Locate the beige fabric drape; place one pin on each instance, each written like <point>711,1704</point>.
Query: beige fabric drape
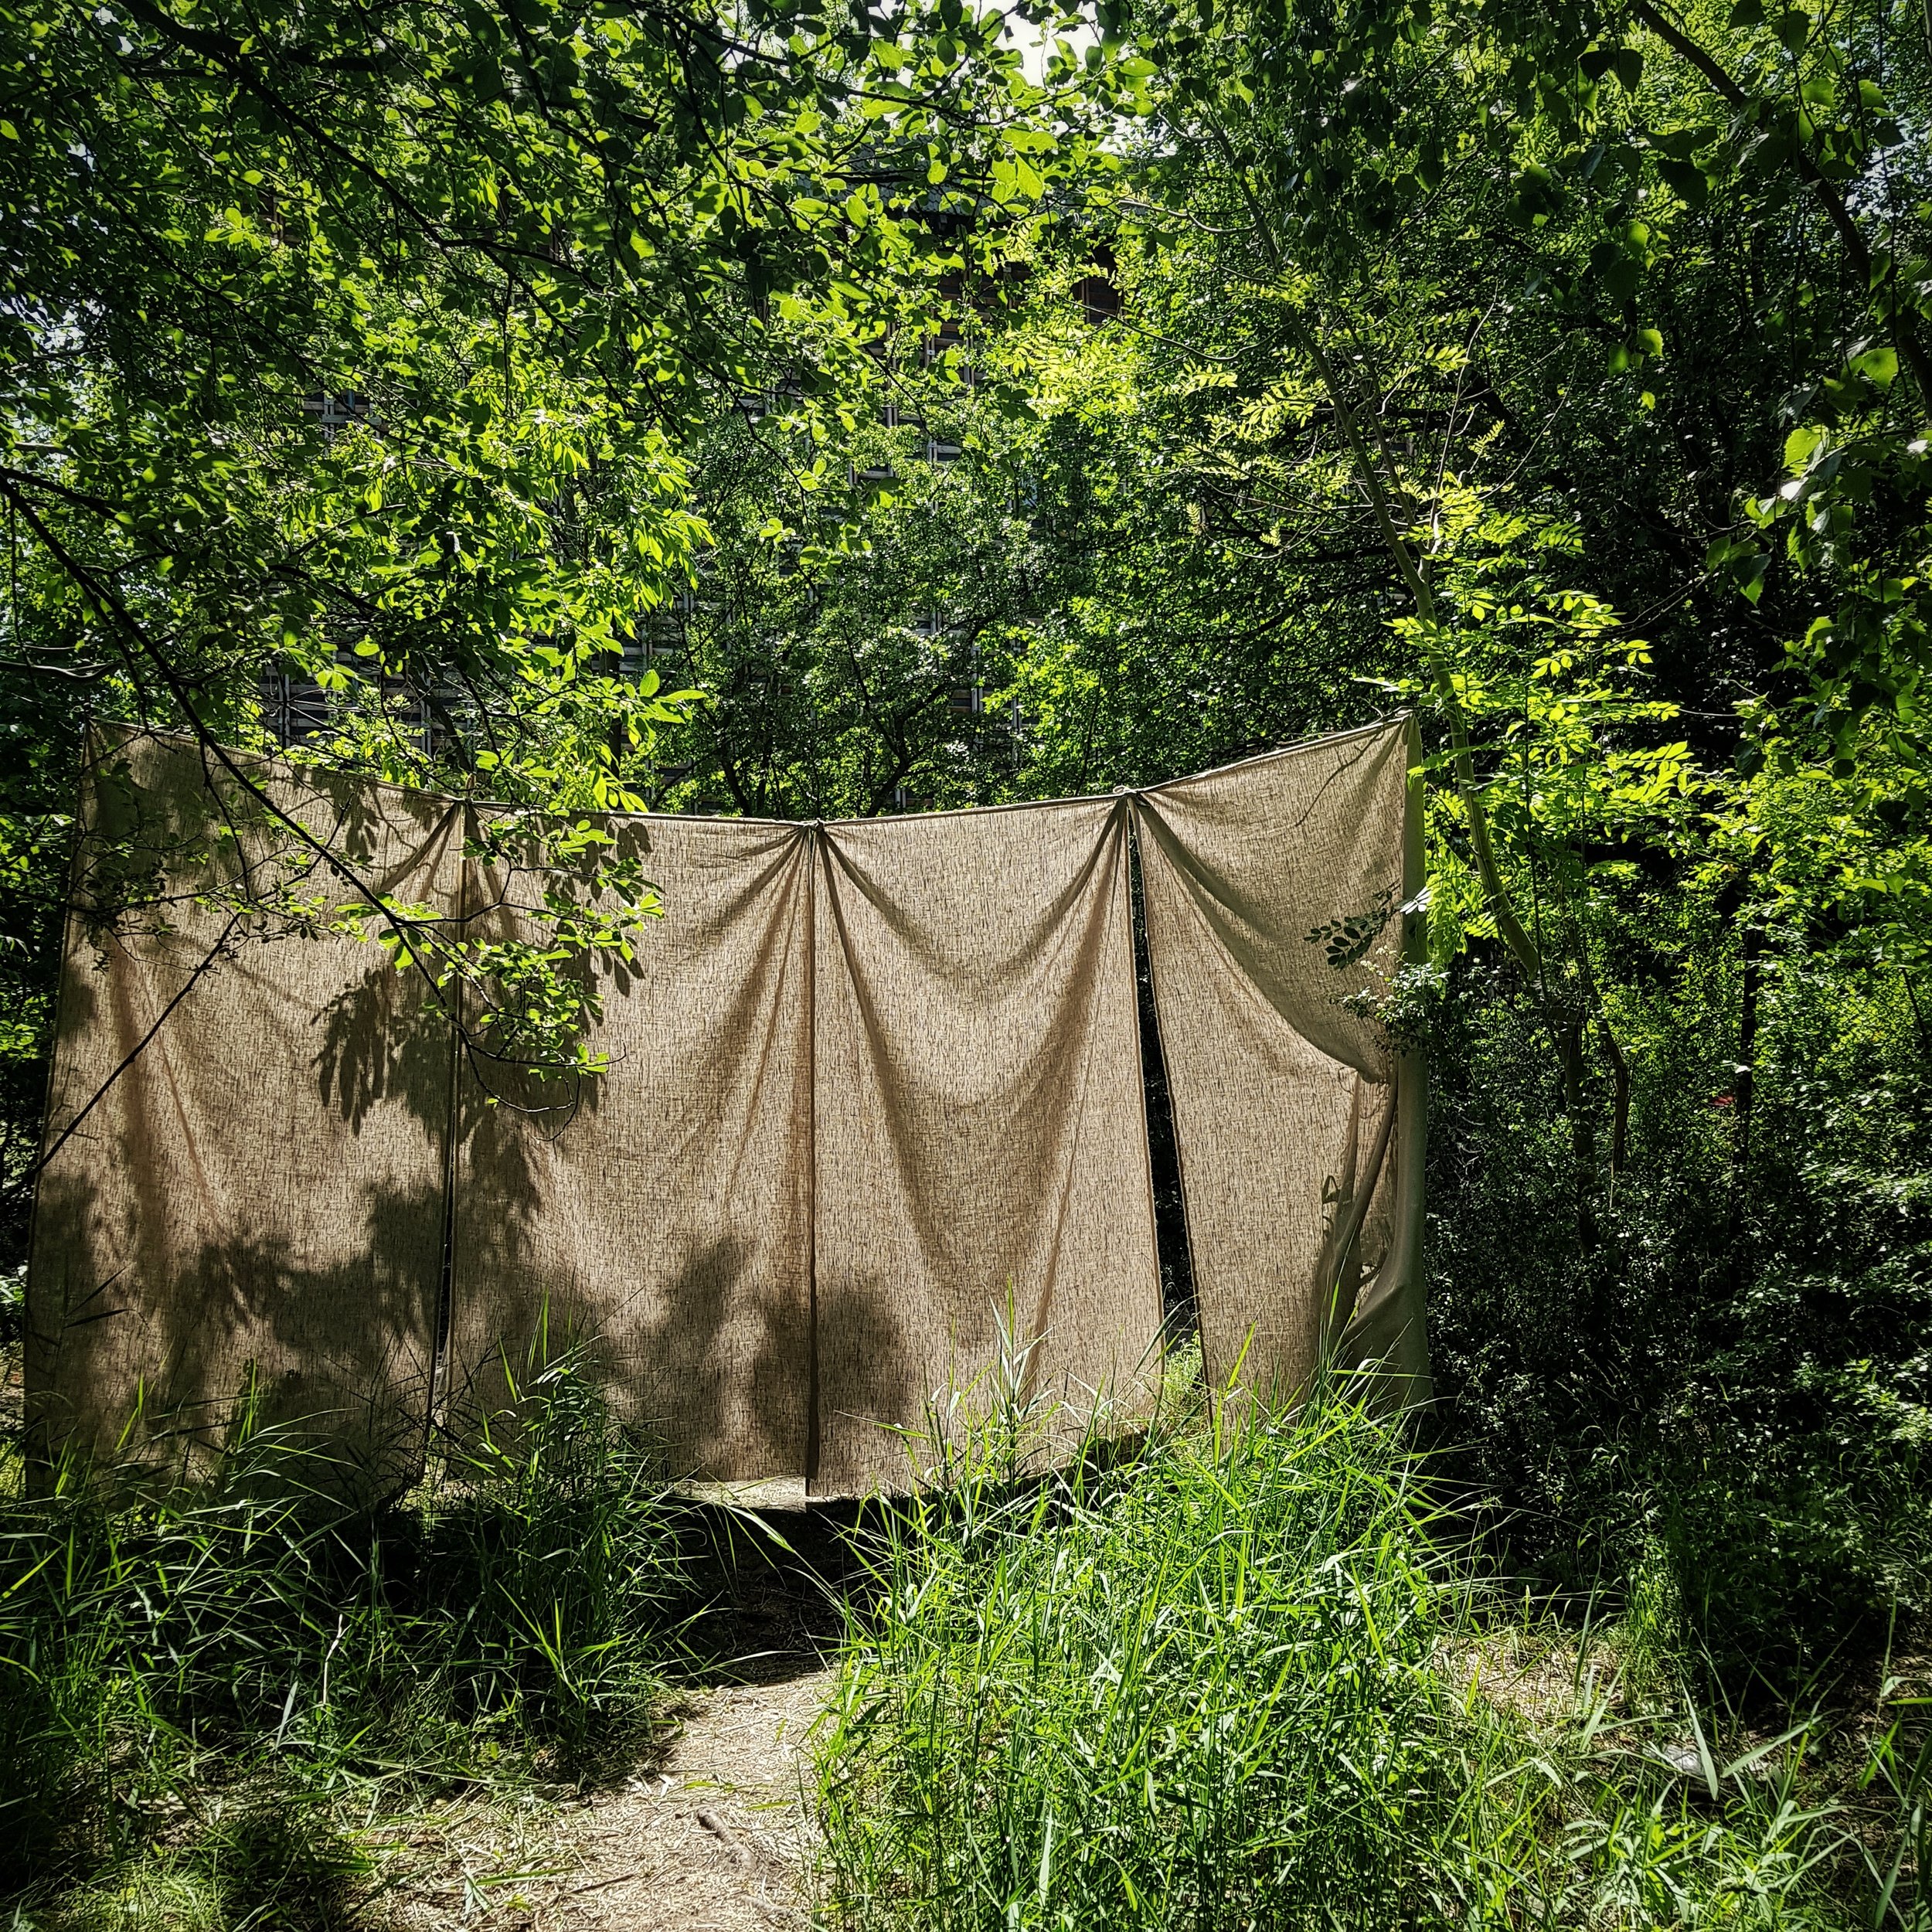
<point>981,1154</point>
<point>1274,892</point>
<point>663,1216</point>
<point>260,1193</point>
<point>870,1156</point>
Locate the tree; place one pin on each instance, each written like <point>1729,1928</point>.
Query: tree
<point>364,346</point>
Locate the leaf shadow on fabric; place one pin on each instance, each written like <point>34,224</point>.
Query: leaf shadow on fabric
<point>706,1362</point>
<point>151,1367</point>
<point>376,1047</point>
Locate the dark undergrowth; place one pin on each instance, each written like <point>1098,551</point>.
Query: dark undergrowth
<point>209,1692</point>
<point>1700,1388</point>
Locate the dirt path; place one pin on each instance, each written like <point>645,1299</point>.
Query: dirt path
<point>716,1842</point>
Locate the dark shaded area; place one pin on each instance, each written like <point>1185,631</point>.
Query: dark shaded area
<point>38,761</point>
<point>1702,1394</point>
<point>241,1336</point>
<point>1177,1300</point>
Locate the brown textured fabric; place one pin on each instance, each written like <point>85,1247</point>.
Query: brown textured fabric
<point>981,1152</point>
<point>874,1100</point>
<point>259,1193</point>
<point>664,1218</point>
<point>1274,892</point>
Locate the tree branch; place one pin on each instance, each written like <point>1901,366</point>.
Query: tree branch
<point>1905,338</point>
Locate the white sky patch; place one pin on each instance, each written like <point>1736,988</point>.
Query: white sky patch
<point>1036,44</point>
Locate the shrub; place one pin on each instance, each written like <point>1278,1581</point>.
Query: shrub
<point>183,1666</point>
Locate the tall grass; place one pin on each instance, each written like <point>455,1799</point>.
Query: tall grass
<point>1230,1672</point>
<point>1234,1678</point>
<point>195,1681</point>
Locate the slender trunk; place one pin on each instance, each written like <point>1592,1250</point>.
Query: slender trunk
<point>1742,1094</point>
<point>1583,1127</point>
<point>1743,1077</point>
<point>1743,1086</point>
<point>1620,1084</point>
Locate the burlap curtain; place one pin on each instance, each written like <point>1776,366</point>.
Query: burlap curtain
<point>1275,891</point>
<point>983,1187</point>
<point>663,1215</point>
<point>870,1157</point>
<point>258,1196</point>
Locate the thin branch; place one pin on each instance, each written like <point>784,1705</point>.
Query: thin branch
<point>1912,352</point>
<point>22,1181</point>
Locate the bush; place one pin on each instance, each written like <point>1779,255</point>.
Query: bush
<point>1237,1680</point>
<point>188,1667</point>
<point>1720,1360</point>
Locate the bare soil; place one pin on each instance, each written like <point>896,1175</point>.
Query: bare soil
<point>710,1831</point>
<point>715,1840</point>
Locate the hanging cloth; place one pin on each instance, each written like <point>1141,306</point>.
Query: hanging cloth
<point>1278,892</point>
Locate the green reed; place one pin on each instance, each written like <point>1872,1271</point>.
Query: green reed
<point>1231,1675</point>
<point>203,1679</point>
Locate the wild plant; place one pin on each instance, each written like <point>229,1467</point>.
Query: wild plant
<point>182,1662</point>
<point>1230,1676</point>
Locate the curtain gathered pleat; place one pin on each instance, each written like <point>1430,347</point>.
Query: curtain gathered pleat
<point>1277,895</point>
<point>985,1217</point>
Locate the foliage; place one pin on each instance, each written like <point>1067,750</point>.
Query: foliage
<point>1236,1678</point>
<point>360,350</point>
<point>1744,1420</point>
<point>1559,371</point>
<point>203,1682</point>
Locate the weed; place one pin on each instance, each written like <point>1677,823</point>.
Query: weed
<point>200,1685</point>
<point>1213,1685</point>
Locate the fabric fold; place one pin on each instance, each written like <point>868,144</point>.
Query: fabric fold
<point>984,1219</point>
<point>1277,892</point>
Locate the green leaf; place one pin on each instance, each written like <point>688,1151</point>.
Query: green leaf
<point>1686,180</point>
<point>1800,445</point>
<point>1629,68</point>
<point>1747,13</point>
<point>1878,365</point>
